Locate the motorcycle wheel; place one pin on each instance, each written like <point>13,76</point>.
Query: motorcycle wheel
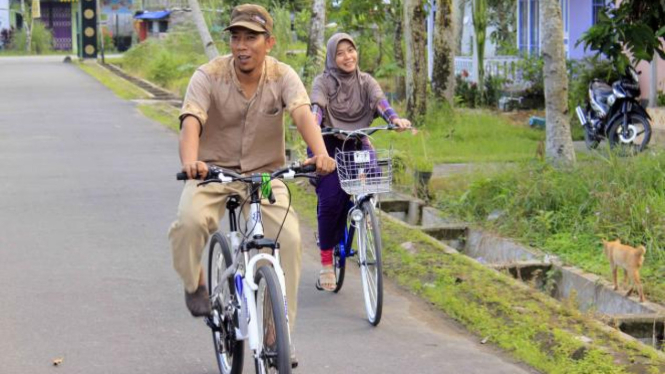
<point>590,139</point>
<point>639,135</point>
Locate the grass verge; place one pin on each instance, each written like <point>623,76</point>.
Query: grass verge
<point>165,114</point>
<point>524,322</point>
<point>567,212</point>
<point>120,87</point>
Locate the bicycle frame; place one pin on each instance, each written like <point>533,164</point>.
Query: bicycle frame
<point>245,285</point>
<point>346,243</point>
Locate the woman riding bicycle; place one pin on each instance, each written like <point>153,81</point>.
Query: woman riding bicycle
<point>342,97</point>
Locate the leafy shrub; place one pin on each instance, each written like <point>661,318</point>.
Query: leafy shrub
<point>493,89</point>
<point>6,36</point>
<point>169,62</point>
<point>41,40</point>
<point>466,92</point>
<point>531,68</point>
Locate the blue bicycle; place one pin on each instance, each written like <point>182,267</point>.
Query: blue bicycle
<point>362,174</point>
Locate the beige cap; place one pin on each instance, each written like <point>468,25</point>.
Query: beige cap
<point>251,16</point>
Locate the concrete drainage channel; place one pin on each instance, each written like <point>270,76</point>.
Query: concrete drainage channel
<point>156,93</point>
<point>644,322</point>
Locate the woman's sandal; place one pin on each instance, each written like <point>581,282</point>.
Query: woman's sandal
<point>327,280</point>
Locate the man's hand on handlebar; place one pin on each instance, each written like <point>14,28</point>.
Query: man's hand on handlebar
<point>324,164</point>
<point>195,170</point>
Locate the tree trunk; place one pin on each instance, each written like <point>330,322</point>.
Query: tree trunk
<point>315,46</point>
<point>379,41</point>
<point>27,27</point>
<point>559,144</point>
<point>459,8</point>
<point>208,45</point>
<point>479,28</point>
<point>416,63</point>
<point>398,51</point>
<point>443,74</point>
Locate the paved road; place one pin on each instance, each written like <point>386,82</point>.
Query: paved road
<point>86,196</point>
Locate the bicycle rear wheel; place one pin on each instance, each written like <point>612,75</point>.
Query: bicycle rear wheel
<point>369,259</point>
<point>229,351</point>
<point>271,319</point>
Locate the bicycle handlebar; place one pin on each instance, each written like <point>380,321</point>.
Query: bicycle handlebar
<point>219,174</point>
<point>367,131</point>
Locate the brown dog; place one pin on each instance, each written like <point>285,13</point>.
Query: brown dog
<point>629,259</point>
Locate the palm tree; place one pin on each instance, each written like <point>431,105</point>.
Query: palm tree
<point>415,37</point>
<point>443,73</point>
<point>479,28</point>
<point>315,44</point>
<point>559,145</point>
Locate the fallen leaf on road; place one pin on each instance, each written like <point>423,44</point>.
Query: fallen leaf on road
<point>57,361</point>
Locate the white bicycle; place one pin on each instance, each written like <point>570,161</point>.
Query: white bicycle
<point>248,303</point>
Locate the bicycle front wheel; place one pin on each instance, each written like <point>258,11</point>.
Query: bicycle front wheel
<point>229,351</point>
<point>369,259</point>
<point>340,267</point>
<point>271,319</point>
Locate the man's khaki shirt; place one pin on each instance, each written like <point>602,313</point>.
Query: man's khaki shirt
<point>246,135</point>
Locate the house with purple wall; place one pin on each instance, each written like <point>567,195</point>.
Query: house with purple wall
<point>578,16</point>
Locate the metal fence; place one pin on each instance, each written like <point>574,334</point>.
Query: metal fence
<point>503,66</point>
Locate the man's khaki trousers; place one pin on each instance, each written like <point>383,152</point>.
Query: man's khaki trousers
<point>199,212</point>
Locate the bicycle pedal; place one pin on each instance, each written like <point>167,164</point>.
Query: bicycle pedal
<point>211,324</point>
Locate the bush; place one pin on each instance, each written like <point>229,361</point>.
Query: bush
<point>493,90</point>
<point>466,92</point>
<point>532,72</point>
<point>41,39</point>
<point>6,37</point>
<point>170,62</point>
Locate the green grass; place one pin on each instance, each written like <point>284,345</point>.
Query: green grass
<point>120,87</point>
<point>567,212</point>
<point>162,113</point>
<point>15,53</point>
<point>454,136</point>
<point>522,321</point>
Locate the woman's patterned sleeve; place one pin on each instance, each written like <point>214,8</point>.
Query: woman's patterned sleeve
<point>386,111</point>
<point>318,114</point>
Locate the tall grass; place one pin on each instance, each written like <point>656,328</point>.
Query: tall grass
<point>450,136</point>
<point>170,62</point>
<point>567,212</point>
<point>41,40</point>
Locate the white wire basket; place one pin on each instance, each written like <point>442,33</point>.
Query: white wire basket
<point>365,171</point>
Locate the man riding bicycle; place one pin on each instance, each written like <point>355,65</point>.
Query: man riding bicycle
<point>232,117</point>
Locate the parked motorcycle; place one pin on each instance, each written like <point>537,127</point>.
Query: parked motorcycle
<point>614,113</point>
